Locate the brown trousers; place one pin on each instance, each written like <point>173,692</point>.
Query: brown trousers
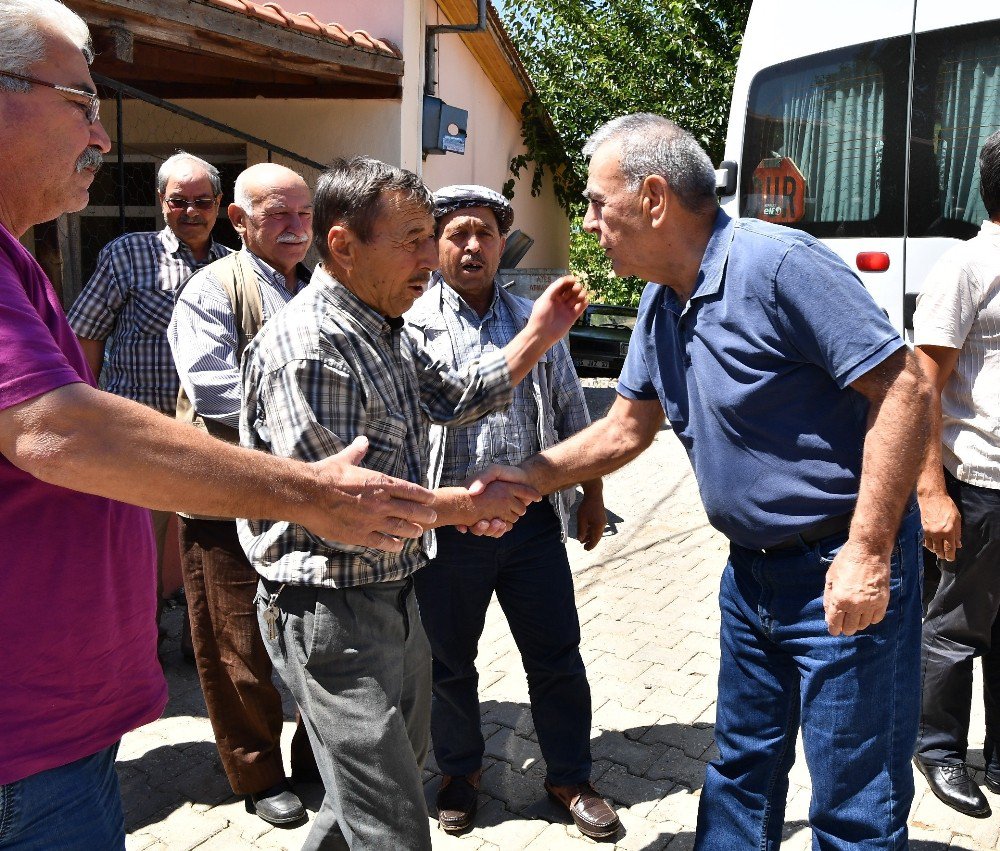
<point>233,666</point>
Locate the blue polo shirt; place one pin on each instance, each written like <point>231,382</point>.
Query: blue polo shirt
<point>753,374</point>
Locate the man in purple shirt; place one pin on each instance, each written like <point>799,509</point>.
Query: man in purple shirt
<point>78,645</point>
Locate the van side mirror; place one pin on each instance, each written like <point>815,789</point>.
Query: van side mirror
<point>725,178</point>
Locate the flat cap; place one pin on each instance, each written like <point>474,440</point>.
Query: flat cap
<point>459,196</point>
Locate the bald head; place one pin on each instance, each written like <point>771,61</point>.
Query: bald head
<point>272,213</point>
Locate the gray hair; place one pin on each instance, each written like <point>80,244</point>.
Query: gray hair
<point>652,144</point>
<point>350,192</point>
<point>24,27</point>
<point>167,169</point>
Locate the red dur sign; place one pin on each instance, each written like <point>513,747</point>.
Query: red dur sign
<point>779,191</point>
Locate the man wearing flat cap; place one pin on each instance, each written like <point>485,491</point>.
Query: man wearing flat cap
<point>464,315</point>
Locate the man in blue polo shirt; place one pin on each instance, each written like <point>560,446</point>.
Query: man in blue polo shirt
<point>805,420</point>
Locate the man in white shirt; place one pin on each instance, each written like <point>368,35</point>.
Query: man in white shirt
<point>957,335</point>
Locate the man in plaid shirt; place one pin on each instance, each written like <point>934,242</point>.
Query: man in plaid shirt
<point>121,315</point>
<point>464,314</point>
<point>340,621</point>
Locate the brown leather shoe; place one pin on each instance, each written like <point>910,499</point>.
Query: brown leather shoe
<point>594,816</point>
<point>457,799</point>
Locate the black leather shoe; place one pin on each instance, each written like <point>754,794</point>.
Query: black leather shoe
<point>954,786</point>
<point>457,800</point>
<point>277,805</point>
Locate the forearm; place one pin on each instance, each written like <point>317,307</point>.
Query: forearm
<point>601,448</point>
<point>930,481</point>
<point>894,449</point>
<point>523,352</point>
<point>454,507</point>
<point>90,441</point>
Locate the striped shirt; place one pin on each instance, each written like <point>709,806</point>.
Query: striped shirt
<point>127,302</point>
<point>329,368</point>
<point>203,337</point>
<point>959,308</point>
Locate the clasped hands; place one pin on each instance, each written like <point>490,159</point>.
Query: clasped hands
<point>501,495</point>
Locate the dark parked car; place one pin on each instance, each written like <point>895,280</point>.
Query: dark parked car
<point>599,339</point>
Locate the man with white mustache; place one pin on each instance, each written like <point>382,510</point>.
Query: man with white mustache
<point>218,312</point>
<point>121,316</point>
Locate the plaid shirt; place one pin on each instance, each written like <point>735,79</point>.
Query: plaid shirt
<point>325,370</point>
<point>548,406</point>
<point>203,337</point>
<point>128,301</point>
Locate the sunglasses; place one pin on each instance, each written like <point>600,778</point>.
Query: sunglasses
<point>197,203</point>
<point>89,102</point>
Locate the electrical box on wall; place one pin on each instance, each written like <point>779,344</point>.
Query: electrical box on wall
<point>444,127</point>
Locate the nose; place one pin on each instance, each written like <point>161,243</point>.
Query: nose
<point>99,138</point>
<point>472,246</point>
<point>590,220</point>
<point>429,254</point>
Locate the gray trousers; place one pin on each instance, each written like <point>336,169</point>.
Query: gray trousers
<point>358,663</point>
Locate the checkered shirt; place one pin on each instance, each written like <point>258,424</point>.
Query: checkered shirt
<point>325,370</point>
<point>127,302</point>
<point>203,337</point>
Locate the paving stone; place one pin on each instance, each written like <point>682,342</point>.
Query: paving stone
<point>647,601</point>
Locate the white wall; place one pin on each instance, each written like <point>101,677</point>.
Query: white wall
<point>494,139</point>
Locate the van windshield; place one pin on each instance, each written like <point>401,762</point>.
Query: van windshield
<point>825,138</point>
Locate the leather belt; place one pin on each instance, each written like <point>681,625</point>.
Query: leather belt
<point>817,532</point>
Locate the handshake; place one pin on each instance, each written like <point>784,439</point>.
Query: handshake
<point>499,495</point>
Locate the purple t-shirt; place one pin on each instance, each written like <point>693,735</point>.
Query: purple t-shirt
<point>78,665</point>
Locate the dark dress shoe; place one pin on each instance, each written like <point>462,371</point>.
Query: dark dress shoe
<point>954,786</point>
<point>594,816</point>
<point>277,805</point>
<point>457,800</point>
<point>992,781</point>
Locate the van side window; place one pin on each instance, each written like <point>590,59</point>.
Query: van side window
<point>824,143</point>
<point>956,105</point>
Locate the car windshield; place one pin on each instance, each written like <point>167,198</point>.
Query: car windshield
<point>603,319</point>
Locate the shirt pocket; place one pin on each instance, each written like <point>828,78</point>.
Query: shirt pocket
<point>386,445</point>
<point>151,311</point>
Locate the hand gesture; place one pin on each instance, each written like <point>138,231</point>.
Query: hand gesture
<point>555,310</point>
<point>942,524</point>
<point>499,505</point>
<point>857,590</point>
<point>366,508</point>
<point>591,518</point>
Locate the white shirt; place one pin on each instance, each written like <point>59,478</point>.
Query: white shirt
<point>960,308</point>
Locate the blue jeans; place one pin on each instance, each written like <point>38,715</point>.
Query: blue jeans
<point>76,807</point>
<point>529,571</point>
<point>856,699</point>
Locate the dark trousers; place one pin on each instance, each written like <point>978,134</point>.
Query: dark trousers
<point>529,571</point>
<point>961,624</point>
<point>233,666</point>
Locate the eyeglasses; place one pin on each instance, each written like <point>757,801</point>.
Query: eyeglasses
<point>89,101</point>
<point>197,203</point>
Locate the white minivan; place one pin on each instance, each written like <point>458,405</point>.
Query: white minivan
<point>860,121</point>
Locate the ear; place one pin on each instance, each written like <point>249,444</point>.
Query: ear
<point>655,197</point>
<point>340,244</point>
<point>237,217</point>
<point>503,243</point>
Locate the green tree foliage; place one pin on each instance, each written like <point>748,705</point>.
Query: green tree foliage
<point>593,60</point>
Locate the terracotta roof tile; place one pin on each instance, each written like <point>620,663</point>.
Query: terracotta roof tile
<point>306,22</point>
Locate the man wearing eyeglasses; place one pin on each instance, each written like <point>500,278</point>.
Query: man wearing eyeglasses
<point>121,316</point>
<point>78,644</point>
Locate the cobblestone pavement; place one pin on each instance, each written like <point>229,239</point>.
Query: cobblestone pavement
<point>646,598</point>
